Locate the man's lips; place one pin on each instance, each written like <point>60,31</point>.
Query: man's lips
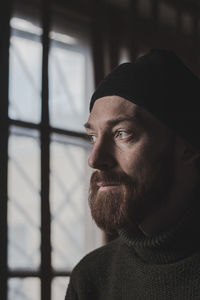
<point>106,186</point>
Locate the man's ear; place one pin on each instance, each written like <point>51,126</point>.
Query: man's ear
<point>186,151</point>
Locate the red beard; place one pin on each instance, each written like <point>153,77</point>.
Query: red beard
<point>110,208</point>
<point>128,203</point>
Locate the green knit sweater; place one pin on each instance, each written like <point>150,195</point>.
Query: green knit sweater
<point>135,267</point>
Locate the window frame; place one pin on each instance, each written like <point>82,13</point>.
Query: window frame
<point>45,273</point>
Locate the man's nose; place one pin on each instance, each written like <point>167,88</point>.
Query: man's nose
<point>102,156</point>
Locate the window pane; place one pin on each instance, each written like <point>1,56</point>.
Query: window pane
<point>24,289</point>
<point>25,71</point>
<point>69,82</point>
<point>24,199</point>
<point>73,233</point>
<point>59,287</point>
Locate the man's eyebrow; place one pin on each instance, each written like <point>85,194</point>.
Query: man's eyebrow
<point>134,119</point>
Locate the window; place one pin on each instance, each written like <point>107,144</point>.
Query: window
<point>71,231</point>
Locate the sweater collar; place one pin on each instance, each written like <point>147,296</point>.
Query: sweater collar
<point>170,246</point>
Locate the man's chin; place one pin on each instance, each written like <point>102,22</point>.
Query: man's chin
<point>110,202</point>
<point>111,227</point>
<point>108,213</point>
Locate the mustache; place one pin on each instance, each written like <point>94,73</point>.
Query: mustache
<point>109,177</point>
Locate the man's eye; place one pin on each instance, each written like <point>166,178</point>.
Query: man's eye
<point>92,138</point>
<point>122,134</point>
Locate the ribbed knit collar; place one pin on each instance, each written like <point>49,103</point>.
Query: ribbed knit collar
<point>170,246</point>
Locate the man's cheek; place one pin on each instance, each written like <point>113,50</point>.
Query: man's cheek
<point>136,170</point>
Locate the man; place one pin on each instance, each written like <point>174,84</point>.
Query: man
<point>143,126</point>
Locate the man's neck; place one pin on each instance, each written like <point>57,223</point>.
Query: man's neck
<point>169,214</point>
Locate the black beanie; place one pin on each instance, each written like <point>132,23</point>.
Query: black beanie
<point>162,84</point>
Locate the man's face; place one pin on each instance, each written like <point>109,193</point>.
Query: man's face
<point>133,159</point>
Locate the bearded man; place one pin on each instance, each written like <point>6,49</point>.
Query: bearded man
<point>143,125</point>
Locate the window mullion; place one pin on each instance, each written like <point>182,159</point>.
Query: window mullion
<point>45,163</point>
<point>4,58</point>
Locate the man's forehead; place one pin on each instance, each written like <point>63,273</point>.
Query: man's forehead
<point>112,103</point>
<point>113,109</point>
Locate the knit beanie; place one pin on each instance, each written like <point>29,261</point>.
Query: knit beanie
<point>161,84</point>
